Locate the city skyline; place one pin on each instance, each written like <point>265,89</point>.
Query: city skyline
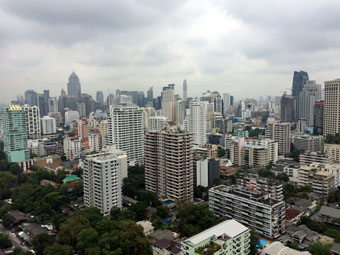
<point>211,44</point>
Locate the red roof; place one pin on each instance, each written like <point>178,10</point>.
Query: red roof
<point>292,213</point>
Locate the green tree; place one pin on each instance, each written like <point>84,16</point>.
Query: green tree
<point>92,214</point>
<point>71,228</point>
<point>57,249</point>
<point>87,238</point>
<point>319,249</point>
<point>254,242</point>
<point>41,242</point>
<point>5,242</point>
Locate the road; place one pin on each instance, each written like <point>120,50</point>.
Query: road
<point>15,240</point>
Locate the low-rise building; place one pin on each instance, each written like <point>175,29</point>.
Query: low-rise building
<point>147,226</point>
<point>276,248</point>
<point>334,150</point>
<point>166,247</point>
<point>308,143</point>
<point>315,157</point>
<point>229,237</point>
<point>252,208</point>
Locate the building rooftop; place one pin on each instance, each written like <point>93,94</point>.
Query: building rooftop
<point>71,179</point>
<point>329,211</point>
<point>230,228</point>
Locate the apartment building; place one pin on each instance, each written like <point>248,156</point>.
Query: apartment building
<point>308,143</point>
<point>315,157</point>
<point>125,129</point>
<point>102,175</point>
<point>72,147</point>
<point>331,120</point>
<point>33,125</point>
<point>271,146</point>
<point>261,184</point>
<point>334,150</point>
<point>228,238</point>
<point>157,123</point>
<point>252,208</point>
<point>169,163</point>
<point>279,132</point>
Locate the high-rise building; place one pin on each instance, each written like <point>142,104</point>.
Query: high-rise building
<point>33,125</point>
<point>72,147</point>
<point>48,125</point>
<point>168,102</point>
<point>149,96</point>
<point>15,133</point>
<point>180,112</point>
<point>310,93</point>
<point>331,118</point>
<point>95,140</point>
<point>102,175</point>
<point>226,101</point>
<point>157,123</point>
<point>185,90</point>
<point>318,117</point>
<point>279,132</point>
<point>299,81</point>
<point>196,123</point>
<point>31,97</point>
<point>231,100</point>
<point>83,129</point>
<point>254,209</point>
<point>43,104</point>
<point>288,108</point>
<point>52,104</point>
<point>73,86</point>
<point>229,237</point>
<point>125,129</point>
<point>100,97</point>
<point>169,163</point>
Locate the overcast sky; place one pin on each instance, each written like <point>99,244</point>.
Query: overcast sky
<point>248,48</point>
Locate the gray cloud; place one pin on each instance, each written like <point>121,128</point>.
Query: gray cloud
<point>243,47</point>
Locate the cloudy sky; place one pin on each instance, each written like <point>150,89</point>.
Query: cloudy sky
<point>248,48</point>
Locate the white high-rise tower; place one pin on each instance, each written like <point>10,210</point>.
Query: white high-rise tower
<point>185,90</point>
<point>196,121</point>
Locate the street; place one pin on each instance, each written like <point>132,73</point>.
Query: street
<point>15,240</point>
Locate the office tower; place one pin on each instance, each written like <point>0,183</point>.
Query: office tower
<point>123,100</point>
<point>58,118</point>
<point>226,101</point>
<point>231,100</point>
<point>90,104</point>
<point>81,108</point>
<point>256,210</point>
<point>168,102</point>
<point>83,129</point>
<point>185,90</point>
<point>196,123</point>
<point>157,123</point>
<point>72,147</point>
<point>318,117</point>
<point>310,93</point>
<point>261,184</point>
<point>48,125</point>
<point>73,86</point>
<point>157,103</point>
<point>125,129</point>
<point>279,132</point>
<point>102,175</point>
<point>52,104</point>
<point>299,81</point>
<point>149,96</point>
<point>33,125</point>
<point>218,104</point>
<point>288,108</point>
<point>43,104</point>
<point>206,170</point>
<point>15,133</point>
<point>228,237</point>
<point>180,112</point>
<point>100,97</point>
<point>331,120</point>
<point>301,126</point>
<point>169,163</point>
<point>137,97</point>
<point>31,97</point>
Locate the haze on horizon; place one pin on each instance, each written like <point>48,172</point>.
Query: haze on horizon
<point>246,48</point>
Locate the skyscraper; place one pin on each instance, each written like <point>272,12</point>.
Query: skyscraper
<point>169,163</point>
<point>288,108</point>
<point>310,93</point>
<point>185,90</point>
<point>31,97</point>
<point>43,104</point>
<point>73,86</point>
<point>299,81</point>
<point>125,129</point>
<point>168,102</point>
<point>149,97</point>
<point>103,175</point>
<point>100,97</point>
<point>15,133</point>
<point>52,104</point>
<point>197,122</point>
<point>318,117</point>
<point>331,120</point>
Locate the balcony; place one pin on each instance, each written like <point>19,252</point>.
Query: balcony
<point>208,249</point>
